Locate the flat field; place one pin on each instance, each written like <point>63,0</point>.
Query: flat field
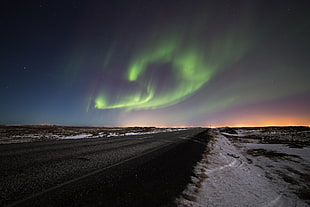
<point>34,133</point>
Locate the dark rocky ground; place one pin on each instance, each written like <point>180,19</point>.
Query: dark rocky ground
<point>35,133</point>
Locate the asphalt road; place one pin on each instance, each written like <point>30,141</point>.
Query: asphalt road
<point>141,170</point>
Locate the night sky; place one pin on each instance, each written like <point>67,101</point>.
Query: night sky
<point>155,62</point>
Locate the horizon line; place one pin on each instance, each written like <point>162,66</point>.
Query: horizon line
<point>161,126</point>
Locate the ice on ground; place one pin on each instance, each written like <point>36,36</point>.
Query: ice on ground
<point>235,135</point>
<point>244,180</point>
<point>113,134</point>
<point>79,136</point>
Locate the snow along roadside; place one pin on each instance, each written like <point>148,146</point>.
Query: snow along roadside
<point>224,178</point>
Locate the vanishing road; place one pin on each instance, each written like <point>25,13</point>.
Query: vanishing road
<point>141,170</point>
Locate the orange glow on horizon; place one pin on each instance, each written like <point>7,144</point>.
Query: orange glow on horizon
<point>248,120</point>
<point>237,124</point>
<point>264,122</point>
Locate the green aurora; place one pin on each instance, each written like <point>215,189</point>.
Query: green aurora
<point>192,65</point>
<point>161,63</point>
<point>177,64</point>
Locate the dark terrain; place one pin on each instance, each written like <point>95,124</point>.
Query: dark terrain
<point>141,170</point>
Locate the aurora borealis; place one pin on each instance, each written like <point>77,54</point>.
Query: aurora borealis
<point>155,63</point>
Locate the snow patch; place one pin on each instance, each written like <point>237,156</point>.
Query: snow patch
<point>224,180</point>
<point>144,133</point>
<point>79,136</point>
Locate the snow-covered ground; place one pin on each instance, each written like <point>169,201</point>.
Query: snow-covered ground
<point>19,134</point>
<point>79,136</point>
<point>234,173</point>
<point>113,134</point>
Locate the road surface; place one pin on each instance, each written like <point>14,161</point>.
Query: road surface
<point>141,170</point>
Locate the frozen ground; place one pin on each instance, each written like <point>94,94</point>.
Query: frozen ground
<point>19,134</point>
<point>243,168</point>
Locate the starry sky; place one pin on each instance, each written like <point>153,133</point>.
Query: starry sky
<point>155,62</point>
